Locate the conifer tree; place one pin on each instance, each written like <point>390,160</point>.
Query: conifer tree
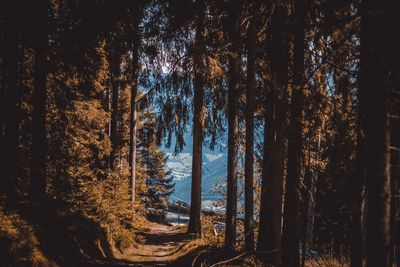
<point>136,42</point>
<point>157,178</point>
<point>232,115</point>
<point>250,107</point>
<point>198,120</point>
<point>291,220</point>
<point>269,239</point>
<point>373,92</point>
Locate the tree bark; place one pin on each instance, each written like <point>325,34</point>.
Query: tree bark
<point>3,85</point>
<point>2,118</point>
<point>357,238</point>
<point>291,221</point>
<point>374,98</point>
<point>270,228</point>
<point>133,111</point>
<point>233,105</point>
<point>249,150</point>
<point>198,121</point>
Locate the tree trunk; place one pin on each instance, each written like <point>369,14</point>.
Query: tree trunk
<point>11,122</point>
<point>357,239</point>
<point>374,98</point>
<point>393,217</point>
<point>116,67</point>
<point>2,118</point>
<point>133,112</point>
<point>249,153</point>
<point>3,85</point>
<point>291,221</point>
<point>233,105</point>
<point>270,228</point>
<point>198,122</point>
<point>132,143</point>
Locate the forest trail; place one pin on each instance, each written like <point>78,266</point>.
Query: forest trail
<point>163,246</point>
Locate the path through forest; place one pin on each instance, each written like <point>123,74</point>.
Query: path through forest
<point>163,246</point>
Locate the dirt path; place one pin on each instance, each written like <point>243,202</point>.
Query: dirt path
<point>163,246</point>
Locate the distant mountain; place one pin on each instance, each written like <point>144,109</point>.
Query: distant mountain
<point>214,171</point>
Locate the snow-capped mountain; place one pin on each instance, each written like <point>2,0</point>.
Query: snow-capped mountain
<point>214,172</point>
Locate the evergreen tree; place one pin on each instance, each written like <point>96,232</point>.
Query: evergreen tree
<point>233,34</point>
<point>157,178</point>
<point>198,120</point>
<point>373,92</point>
<point>250,107</point>
<point>291,220</point>
<point>273,169</point>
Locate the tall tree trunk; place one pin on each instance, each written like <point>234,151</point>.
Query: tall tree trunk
<point>291,221</point>
<point>233,104</point>
<point>198,122</point>
<point>3,85</point>
<point>116,72</point>
<point>11,122</point>
<point>39,144</point>
<point>133,112</point>
<point>270,228</point>
<point>357,238</point>
<point>249,153</point>
<point>2,116</point>
<point>393,218</point>
<point>393,72</point>
<point>374,98</point>
<point>3,112</point>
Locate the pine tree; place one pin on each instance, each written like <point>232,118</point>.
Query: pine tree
<point>198,121</point>
<point>269,239</point>
<point>232,115</point>
<point>157,178</point>
<point>133,106</point>
<point>291,220</point>
<point>373,93</point>
<point>250,107</point>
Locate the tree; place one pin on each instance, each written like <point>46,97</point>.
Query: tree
<point>158,180</point>
<point>233,105</point>
<point>133,111</point>
<point>249,150</point>
<point>198,120</point>
<point>3,82</point>
<point>357,241</point>
<point>373,93</point>
<point>291,221</point>
<point>269,239</point>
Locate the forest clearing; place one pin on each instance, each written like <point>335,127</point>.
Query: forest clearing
<point>200,133</point>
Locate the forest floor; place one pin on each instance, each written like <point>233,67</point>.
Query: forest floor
<point>163,245</point>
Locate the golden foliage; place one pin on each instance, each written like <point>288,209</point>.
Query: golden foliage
<point>19,242</point>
